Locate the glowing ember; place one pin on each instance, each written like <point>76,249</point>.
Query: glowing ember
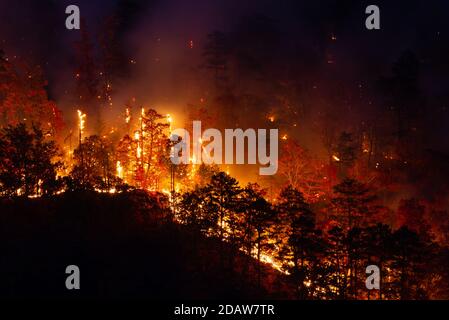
<point>81,122</point>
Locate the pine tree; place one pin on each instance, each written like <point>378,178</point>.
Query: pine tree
<point>215,53</point>
<point>24,97</point>
<point>412,214</point>
<point>337,254</point>
<point>302,171</point>
<point>258,216</point>
<point>352,203</point>
<point>94,167</point>
<point>154,146</point>
<point>221,204</point>
<point>28,163</point>
<point>408,265</point>
<point>377,246</point>
<point>297,237</point>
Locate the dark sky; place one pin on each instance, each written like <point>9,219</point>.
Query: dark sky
<point>36,28</point>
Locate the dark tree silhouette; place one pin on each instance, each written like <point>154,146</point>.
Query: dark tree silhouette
<point>257,219</point>
<point>93,165</point>
<point>297,237</point>
<point>352,203</point>
<point>27,162</point>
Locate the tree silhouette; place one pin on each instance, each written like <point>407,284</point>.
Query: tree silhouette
<point>27,162</point>
<point>154,145</point>
<point>408,265</point>
<point>377,249</point>
<point>221,203</point>
<point>352,203</point>
<point>258,216</point>
<point>24,97</point>
<point>215,54</point>
<point>297,237</point>
<point>192,211</point>
<point>93,165</point>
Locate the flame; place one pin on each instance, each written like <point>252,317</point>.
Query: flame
<point>139,151</point>
<point>335,158</point>
<point>81,121</point>
<point>119,170</point>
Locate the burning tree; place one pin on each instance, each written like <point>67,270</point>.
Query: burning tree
<point>154,144</point>
<point>123,154</point>
<point>23,97</point>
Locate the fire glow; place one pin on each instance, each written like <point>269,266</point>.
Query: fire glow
<point>212,152</point>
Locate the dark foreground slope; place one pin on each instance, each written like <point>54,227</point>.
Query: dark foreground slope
<point>125,247</point>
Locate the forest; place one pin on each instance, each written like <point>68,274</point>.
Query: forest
<point>362,171</point>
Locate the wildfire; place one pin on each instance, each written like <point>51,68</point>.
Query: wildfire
<point>119,170</point>
<point>127,115</point>
<point>139,149</point>
<point>81,124</point>
<point>81,120</point>
<point>139,152</point>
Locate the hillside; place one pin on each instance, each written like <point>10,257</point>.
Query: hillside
<point>124,245</point>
